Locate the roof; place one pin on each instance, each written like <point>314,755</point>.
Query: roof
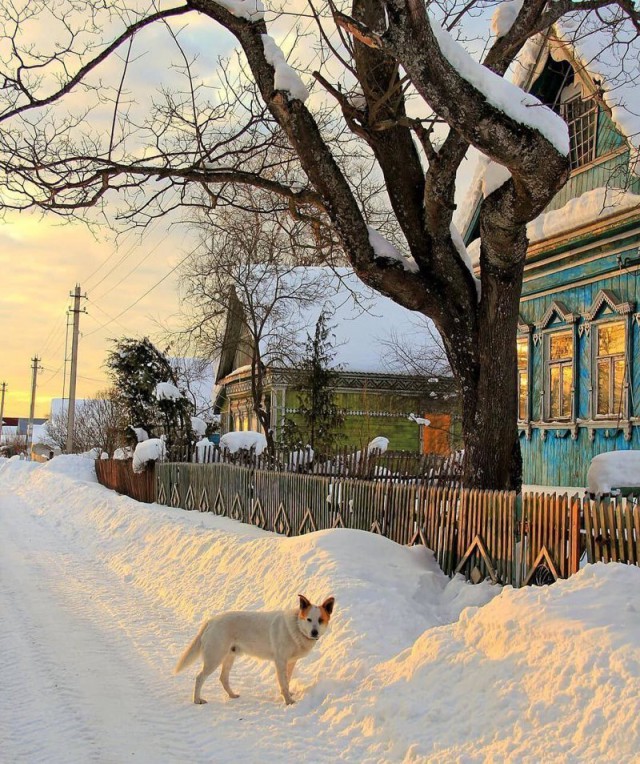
<point>596,52</point>
<point>365,325</point>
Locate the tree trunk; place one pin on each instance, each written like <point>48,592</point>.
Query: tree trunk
<point>490,393</point>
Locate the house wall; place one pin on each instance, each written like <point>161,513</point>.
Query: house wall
<point>369,412</point>
<point>373,413</point>
<point>574,273</point>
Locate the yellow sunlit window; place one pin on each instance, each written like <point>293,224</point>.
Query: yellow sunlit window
<point>610,368</point>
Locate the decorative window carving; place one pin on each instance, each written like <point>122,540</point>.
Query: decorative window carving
<point>560,351</point>
<point>610,368</point>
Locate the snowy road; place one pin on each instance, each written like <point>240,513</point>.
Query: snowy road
<point>99,595</point>
<point>89,679</point>
<point>81,671</point>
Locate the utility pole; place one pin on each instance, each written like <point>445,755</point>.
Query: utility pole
<point>35,366</point>
<point>74,365</point>
<point>4,388</point>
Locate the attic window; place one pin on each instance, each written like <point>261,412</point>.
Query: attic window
<point>581,115</point>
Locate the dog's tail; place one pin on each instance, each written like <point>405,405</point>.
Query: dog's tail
<point>192,652</point>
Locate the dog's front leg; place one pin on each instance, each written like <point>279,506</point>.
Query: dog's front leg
<point>290,667</point>
<point>283,681</point>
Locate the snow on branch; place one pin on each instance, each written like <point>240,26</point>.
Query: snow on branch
<point>504,16</point>
<point>251,10</point>
<point>503,95</point>
<point>458,243</point>
<point>286,78</point>
<point>384,250</point>
<point>166,391</point>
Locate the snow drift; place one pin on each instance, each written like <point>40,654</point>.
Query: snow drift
<point>415,667</point>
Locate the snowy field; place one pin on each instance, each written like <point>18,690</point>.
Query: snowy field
<point>99,595</point>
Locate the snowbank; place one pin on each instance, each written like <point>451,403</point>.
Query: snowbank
<point>414,668</point>
<point>616,469</point>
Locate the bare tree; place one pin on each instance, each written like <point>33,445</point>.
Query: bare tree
<point>98,424</point>
<point>245,292</point>
<point>396,77</point>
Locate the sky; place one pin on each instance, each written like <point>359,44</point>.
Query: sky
<point>41,261</point>
<point>131,288</point>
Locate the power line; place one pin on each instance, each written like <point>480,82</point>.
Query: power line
<point>133,304</point>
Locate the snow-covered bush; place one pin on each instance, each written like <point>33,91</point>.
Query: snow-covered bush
<point>148,451</point>
<point>243,441</point>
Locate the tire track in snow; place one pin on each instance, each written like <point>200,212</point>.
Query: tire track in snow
<point>86,664</point>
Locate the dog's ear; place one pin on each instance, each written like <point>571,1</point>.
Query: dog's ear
<point>304,602</point>
<point>328,604</point>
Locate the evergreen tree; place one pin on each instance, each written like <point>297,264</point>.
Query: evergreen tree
<point>136,368</point>
<point>319,419</point>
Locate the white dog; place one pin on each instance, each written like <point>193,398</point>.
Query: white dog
<point>282,636</point>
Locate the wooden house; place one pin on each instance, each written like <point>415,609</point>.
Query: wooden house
<point>375,395</point>
<point>579,329</point>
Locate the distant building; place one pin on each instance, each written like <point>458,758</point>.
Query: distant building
<point>376,398</point>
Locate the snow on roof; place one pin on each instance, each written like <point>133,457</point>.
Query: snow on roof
<point>363,324</point>
<point>608,55</point>
<point>593,205</point>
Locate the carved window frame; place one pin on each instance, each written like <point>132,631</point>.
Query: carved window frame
<point>545,330</point>
<point>620,311</point>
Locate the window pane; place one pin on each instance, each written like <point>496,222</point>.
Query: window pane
<point>581,118</point>
<point>523,352</point>
<point>523,392</point>
<point>618,386</point>
<point>554,392</point>
<point>561,345</point>
<point>611,338</point>
<point>567,379</point>
<point>604,378</point>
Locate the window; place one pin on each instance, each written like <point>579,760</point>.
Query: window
<point>560,374</point>
<point>610,368</point>
<point>523,378</point>
<point>581,117</point>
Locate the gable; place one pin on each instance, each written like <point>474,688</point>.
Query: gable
<point>603,155</point>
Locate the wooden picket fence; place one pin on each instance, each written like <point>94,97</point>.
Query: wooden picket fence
<point>118,475</point>
<point>342,462</point>
<point>519,540</point>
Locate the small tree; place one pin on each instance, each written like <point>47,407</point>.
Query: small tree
<point>137,367</point>
<point>244,291</point>
<point>99,423</point>
<point>319,418</point>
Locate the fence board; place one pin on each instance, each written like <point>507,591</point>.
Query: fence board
<point>118,475</point>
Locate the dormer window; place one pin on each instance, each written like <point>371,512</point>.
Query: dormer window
<point>581,115</point>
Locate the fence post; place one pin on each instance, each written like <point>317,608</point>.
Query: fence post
<point>574,536</point>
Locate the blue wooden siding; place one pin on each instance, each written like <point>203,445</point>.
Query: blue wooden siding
<point>559,459</point>
<point>563,461</point>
